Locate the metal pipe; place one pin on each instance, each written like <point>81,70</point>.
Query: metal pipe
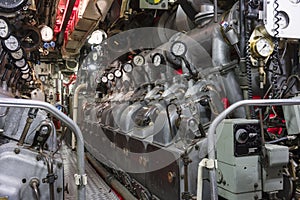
<point>216,11</point>
<point>75,109</point>
<point>212,130</point>
<point>60,37</point>
<point>22,103</point>
<point>110,179</point>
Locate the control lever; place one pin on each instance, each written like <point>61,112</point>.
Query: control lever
<point>41,136</point>
<point>34,183</point>
<point>31,115</point>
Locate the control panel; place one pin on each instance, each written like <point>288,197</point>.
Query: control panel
<point>247,140</point>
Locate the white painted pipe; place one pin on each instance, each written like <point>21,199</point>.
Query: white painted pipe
<point>201,165</point>
<point>75,109</point>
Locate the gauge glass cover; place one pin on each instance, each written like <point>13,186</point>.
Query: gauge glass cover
<point>4,29</point>
<point>178,49</point>
<point>20,63</point>
<point>127,67</point>
<point>139,60</point>
<point>104,79</point>
<point>46,33</point>
<point>11,43</point>
<point>17,55</point>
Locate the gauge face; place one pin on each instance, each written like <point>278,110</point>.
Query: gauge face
<point>178,48</point>
<point>154,2</point>
<point>157,59</point>
<point>104,79</point>
<point>118,73</point>
<point>4,28</point>
<point>25,76</point>
<point>17,55</point>
<point>11,5</point>
<point>110,76</point>
<point>20,63</point>
<point>283,20</point>
<point>46,33</point>
<point>11,43</point>
<point>138,60</point>
<point>264,47</point>
<point>127,67</point>
<point>43,78</point>
<point>95,56</point>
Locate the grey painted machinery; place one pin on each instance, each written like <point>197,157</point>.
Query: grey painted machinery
<point>152,94</point>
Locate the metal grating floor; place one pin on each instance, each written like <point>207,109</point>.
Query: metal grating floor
<point>96,188</point>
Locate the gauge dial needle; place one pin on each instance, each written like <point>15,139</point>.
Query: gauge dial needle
<point>263,47</point>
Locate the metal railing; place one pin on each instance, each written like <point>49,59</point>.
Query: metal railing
<point>22,103</point>
<point>221,117</point>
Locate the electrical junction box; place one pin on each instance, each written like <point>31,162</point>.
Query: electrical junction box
<point>292,118</point>
<point>154,4</point>
<point>238,154</point>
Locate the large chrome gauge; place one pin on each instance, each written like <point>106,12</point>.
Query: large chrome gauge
<point>11,5</point>
<point>4,28</point>
<point>11,43</point>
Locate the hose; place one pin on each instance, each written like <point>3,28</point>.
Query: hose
<point>110,179</point>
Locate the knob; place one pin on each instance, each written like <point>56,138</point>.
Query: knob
<point>241,136</point>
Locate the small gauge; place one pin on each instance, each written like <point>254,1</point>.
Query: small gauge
<point>20,63</point>
<point>284,19</point>
<point>104,79</point>
<point>17,55</point>
<point>157,59</point>
<point>25,71</point>
<point>110,76</point>
<point>46,33</point>
<point>127,67</point>
<point>97,37</point>
<point>25,76</point>
<point>29,79</point>
<point>9,5</point>
<point>4,28</point>
<point>95,56</point>
<point>11,43</point>
<point>263,47</point>
<point>178,48</point>
<point>139,60</point>
<point>118,73</point>
<point>43,79</point>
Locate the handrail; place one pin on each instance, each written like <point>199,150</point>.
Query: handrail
<point>221,117</point>
<point>22,103</point>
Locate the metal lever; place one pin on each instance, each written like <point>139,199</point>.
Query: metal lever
<point>31,115</point>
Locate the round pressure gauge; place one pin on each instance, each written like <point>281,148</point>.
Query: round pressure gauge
<point>104,79</point>
<point>284,19</point>
<point>11,5</point>
<point>46,33</point>
<point>178,48</point>
<point>95,56</point>
<point>25,76</point>
<point>138,60</point>
<point>4,28</point>
<point>110,76</point>
<point>127,67</point>
<point>17,55</point>
<point>20,63</point>
<point>118,73</point>
<point>11,43</point>
<point>157,59</point>
<point>263,47</point>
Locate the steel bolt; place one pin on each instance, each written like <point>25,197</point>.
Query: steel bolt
<point>17,150</point>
